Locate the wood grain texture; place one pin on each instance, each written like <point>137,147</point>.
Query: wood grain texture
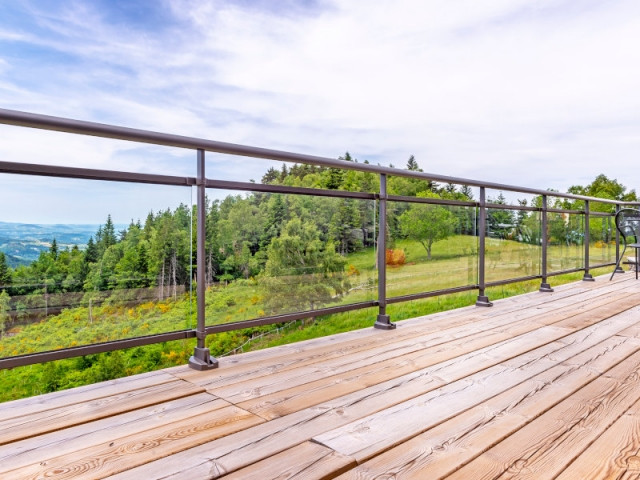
<point>445,448</point>
<point>615,454</point>
<point>40,403</point>
<point>114,456</point>
<point>42,447</point>
<point>545,447</point>
<point>58,418</point>
<point>382,430</point>
<point>307,461</point>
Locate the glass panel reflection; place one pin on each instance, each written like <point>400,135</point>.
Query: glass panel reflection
<point>270,254</point>
<point>66,279</point>
<point>430,247</point>
<point>513,244</point>
<point>566,241</point>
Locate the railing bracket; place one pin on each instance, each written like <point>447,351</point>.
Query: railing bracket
<point>545,287</point>
<point>201,360</point>
<point>483,301</point>
<point>383,322</point>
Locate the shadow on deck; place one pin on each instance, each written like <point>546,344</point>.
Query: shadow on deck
<point>542,385</point>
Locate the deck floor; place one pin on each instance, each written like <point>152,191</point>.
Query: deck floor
<point>544,385</point>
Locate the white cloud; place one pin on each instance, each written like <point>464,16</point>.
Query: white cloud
<point>540,94</point>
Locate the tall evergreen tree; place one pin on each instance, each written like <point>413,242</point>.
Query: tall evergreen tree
<point>5,272</point>
<point>53,249</point>
<point>412,164</point>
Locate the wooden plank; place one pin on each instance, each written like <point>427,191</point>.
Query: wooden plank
<point>50,420</point>
<point>544,447</point>
<point>303,462</point>
<point>289,400</point>
<point>270,389</point>
<point>87,393</point>
<point>371,435</point>
<point>117,455</point>
<point>61,442</point>
<point>252,445</point>
<point>443,449</point>
<point>614,454</point>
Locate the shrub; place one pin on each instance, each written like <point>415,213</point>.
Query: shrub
<point>395,257</point>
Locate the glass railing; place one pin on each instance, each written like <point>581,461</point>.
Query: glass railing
<point>191,256</point>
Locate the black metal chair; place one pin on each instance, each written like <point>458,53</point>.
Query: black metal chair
<point>628,224</point>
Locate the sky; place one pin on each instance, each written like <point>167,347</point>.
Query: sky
<point>541,94</point>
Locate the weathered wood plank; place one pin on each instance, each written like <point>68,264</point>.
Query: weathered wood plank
<point>261,394</point>
<point>244,448</point>
<point>59,418</point>
<point>303,462</point>
<point>114,456</point>
<point>615,454</point>
<point>371,435</point>
<point>543,448</point>
<point>49,401</point>
<point>61,442</point>
<point>443,449</point>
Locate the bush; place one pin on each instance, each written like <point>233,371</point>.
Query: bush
<point>395,257</point>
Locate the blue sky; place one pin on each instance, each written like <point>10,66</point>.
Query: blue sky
<point>535,93</point>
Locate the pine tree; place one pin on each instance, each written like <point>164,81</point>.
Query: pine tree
<point>91,253</point>
<point>5,272</point>
<point>53,250</point>
<point>413,165</point>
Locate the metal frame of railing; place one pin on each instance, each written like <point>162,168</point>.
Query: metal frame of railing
<point>201,358</point>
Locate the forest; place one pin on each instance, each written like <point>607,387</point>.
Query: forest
<point>265,254</point>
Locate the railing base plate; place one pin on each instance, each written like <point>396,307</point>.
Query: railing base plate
<point>588,278</point>
<point>545,287</point>
<point>383,322</point>
<point>201,360</point>
<point>483,301</point>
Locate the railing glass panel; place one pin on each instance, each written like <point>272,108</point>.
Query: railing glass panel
<point>87,270</point>
<point>431,247</point>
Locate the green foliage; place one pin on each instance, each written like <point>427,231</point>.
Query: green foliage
<point>427,223</point>
<point>5,272</point>
<point>301,272</point>
<point>4,311</point>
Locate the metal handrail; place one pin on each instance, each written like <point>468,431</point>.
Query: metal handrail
<point>201,358</point>
<point>60,124</point>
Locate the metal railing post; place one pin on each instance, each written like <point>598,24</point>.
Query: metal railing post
<point>544,286</point>
<point>587,276</point>
<point>618,269</point>
<point>201,359</point>
<point>483,300</point>
<point>383,320</point>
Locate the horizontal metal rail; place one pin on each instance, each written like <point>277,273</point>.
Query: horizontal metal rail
<point>47,122</point>
<point>267,188</point>
<point>434,293</point>
<point>431,201</point>
<point>49,356</point>
<point>288,317</point>
<point>93,174</point>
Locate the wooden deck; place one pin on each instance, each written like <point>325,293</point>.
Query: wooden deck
<point>544,385</point>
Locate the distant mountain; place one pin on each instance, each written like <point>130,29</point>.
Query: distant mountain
<point>23,242</point>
